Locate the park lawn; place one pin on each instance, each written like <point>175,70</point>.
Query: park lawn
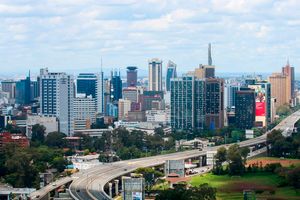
<point>231,188</point>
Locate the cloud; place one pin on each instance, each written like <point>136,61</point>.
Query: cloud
<point>76,33</point>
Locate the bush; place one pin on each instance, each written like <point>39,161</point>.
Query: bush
<point>272,167</point>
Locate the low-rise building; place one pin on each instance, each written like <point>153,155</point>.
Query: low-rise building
<point>159,116</point>
<point>50,123</point>
<point>17,139</point>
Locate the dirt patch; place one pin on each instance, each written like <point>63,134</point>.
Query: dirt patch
<point>240,186</point>
<point>263,162</point>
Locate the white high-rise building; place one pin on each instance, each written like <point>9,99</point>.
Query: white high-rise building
<point>155,74</point>
<point>84,112</point>
<point>92,84</point>
<point>56,98</point>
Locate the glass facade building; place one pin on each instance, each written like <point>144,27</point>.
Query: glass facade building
<point>245,108</point>
<point>171,73</point>
<point>187,103</point>
<point>23,91</point>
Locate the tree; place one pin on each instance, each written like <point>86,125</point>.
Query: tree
<point>20,171</point>
<point>55,139</point>
<point>220,158</point>
<point>38,133</point>
<point>203,192</point>
<point>181,192</point>
<point>159,131</point>
<point>237,135</point>
<point>150,176</point>
<point>104,157</point>
<point>283,110</point>
<point>293,177</point>
<point>244,151</point>
<point>126,153</point>
<point>59,163</point>
<point>234,158</point>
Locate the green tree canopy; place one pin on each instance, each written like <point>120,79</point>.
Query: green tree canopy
<point>55,139</point>
<point>38,133</point>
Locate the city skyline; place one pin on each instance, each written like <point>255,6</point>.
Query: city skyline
<point>74,35</point>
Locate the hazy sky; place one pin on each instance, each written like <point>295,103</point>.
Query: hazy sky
<point>66,35</point>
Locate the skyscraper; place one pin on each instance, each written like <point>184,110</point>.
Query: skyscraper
<point>262,103</point>
<point>92,84</point>
<point>171,73</point>
<point>209,55</point>
<point>87,84</point>
<point>187,103</point>
<point>280,89</point>
<point>115,87</point>
<point>214,103</point>
<point>56,99</point>
<point>245,108</point>
<point>10,87</point>
<point>23,91</point>
<point>231,95</point>
<point>123,108</point>
<point>131,76</point>
<point>290,73</point>
<point>85,110</point>
<point>155,74</point>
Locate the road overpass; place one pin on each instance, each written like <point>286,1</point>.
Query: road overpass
<point>89,185</point>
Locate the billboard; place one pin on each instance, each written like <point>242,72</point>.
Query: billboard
<point>260,109</point>
<point>260,100</point>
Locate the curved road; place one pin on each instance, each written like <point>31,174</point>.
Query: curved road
<point>90,184</point>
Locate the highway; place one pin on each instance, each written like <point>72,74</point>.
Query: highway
<point>89,185</point>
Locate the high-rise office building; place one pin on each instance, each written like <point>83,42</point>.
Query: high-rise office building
<point>231,94</point>
<point>10,87</point>
<point>56,99</point>
<point>115,87</point>
<point>132,94</point>
<point>262,103</point>
<point>245,108</point>
<point>155,74</point>
<point>23,91</point>
<point>214,103</point>
<point>148,97</point>
<point>171,73</point>
<point>87,84</point>
<point>123,108</point>
<point>92,84</point>
<point>187,103</point>
<point>280,89</point>
<point>290,73</point>
<point>131,76</point>
<point>85,110</point>
<point>34,90</point>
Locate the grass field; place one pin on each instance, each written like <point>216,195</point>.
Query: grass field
<point>231,188</point>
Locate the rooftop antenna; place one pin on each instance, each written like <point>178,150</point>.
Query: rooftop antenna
<point>101,64</point>
<point>209,55</point>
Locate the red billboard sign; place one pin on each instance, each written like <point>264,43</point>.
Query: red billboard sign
<point>260,109</point>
